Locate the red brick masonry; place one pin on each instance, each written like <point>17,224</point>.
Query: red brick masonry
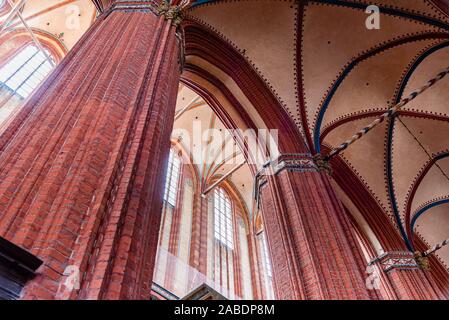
<point>81,168</point>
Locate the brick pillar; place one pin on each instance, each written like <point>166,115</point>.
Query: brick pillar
<point>308,233</point>
<point>198,241</point>
<point>81,178</point>
<point>399,280</point>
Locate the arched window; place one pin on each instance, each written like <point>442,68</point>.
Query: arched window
<point>172,179</point>
<point>25,71</point>
<point>223,218</point>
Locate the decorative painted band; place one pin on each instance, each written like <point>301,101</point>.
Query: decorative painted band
<point>293,162</point>
<point>401,260</point>
<point>169,12</point>
<point>173,13</point>
<point>130,6</point>
<point>299,162</point>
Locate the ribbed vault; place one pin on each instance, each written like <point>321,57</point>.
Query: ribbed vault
<point>333,76</point>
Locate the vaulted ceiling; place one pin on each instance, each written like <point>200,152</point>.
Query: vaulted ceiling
<point>210,146</point>
<point>334,76</point>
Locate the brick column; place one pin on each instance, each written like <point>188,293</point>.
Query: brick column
<point>81,177</point>
<point>308,233</point>
<point>198,241</point>
<point>400,276</point>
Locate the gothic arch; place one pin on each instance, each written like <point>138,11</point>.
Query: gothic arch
<point>236,198</point>
<point>19,38</point>
<point>13,42</point>
<point>205,49</point>
<point>186,159</point>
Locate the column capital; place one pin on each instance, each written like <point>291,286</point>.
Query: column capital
<point>399,260</point>
<point>293,162</point>
<point>305,223</point>
<point>131,6</point>
<point>164,8</point>
<point>297,162</point>
<point>173,13</point>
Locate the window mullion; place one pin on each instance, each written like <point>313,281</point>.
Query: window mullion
<point>170,172</point>
<point>172,179</point>
<point>167,182</point>
<point>223,217</point>
<point>29,77</point>
<point>20,68</point>
<point>24,73</point>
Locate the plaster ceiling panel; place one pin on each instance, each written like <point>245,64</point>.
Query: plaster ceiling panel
<point>434,186</point>
<point>407,160</point>
<point>222,168</point>
<point>432,134</point>
<point>366,157</point>
<point>421,7</point>
<point>433,227</point>
<point>198,118</point>
<point>242,180</point>
<point>186,97</point>
<point>230,151</point>
<point>223,100</point>
<point>434,100</point>
<point>67,20</point>
<point>216,140</point>
<point>328,47</point>
<point>373,83</point>
<point>265,34</point>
